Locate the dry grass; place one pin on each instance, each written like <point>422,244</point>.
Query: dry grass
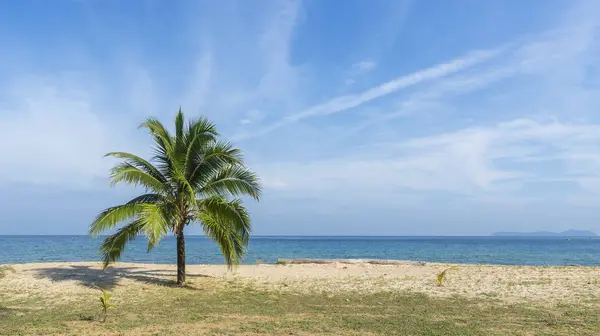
<point>301,300</point>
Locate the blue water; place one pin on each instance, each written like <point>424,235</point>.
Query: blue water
<point>467,250</point>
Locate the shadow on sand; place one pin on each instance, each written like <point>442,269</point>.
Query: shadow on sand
<point>109,278</point>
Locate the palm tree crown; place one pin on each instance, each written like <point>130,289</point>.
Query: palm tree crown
<point>195,178</point>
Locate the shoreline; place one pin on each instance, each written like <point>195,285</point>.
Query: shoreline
<point>315,261</point>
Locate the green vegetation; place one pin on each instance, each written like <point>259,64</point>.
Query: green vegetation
<point>530,282</point>
<point>195,178</point>
<point>442,275</point>
<point>217,307</point>
<point>105,302</point>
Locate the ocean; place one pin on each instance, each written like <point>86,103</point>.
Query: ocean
<point>267,249</point>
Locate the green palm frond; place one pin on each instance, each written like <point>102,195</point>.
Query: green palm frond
<point>126,173</point>
<point>164,149</point>
<point>228,223</point>
<point>179,149</point>
<point>232,212</point>
<point>199,145</point>
<point>110,217</point>
<point>165,164</point>
<point>149,198</point>
<point>184,188</point>
<point>159,132</point>
<point>140,163</point>
<point>232,246</point>
<point>113,245</point>
<point>214,157</point>
<point>224,151</point>
<point>202,125</point>
<point>201,135</point>
<point>156,220</point>
<point>235,180</point>
<point>200,131</point>
<point>179,121</point>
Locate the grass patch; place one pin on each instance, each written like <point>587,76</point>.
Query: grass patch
<point>220,308</point>
<point>530,282</point>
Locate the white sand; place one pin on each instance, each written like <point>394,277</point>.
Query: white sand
<point>546,285</point>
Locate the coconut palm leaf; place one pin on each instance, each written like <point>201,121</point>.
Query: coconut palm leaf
<point>235,180</point>
<point>228,223</point>
<point>113,245</point>
<point>126,173</point>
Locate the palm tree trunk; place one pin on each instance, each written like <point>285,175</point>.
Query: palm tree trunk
<point>180,258</point>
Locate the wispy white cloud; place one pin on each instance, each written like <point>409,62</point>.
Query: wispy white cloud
<point>552,55</point>
<point>342,103</point>
<point>472,161</point>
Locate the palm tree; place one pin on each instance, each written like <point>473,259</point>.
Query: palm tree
<point>195,178</point>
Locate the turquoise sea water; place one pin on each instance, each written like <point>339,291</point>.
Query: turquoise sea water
<point>468,250</point>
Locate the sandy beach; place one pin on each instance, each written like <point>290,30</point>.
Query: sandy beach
<point>547,285</point>
<point>300,299</point>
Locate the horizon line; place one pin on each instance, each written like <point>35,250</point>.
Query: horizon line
<point>493,234</point>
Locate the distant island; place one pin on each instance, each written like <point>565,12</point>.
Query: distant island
<point>568,233</point>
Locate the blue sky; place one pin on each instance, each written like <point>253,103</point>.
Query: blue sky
<point>363,117</point>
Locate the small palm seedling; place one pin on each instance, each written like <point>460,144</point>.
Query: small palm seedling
<point>105,301</point>
<point>442,275</point>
